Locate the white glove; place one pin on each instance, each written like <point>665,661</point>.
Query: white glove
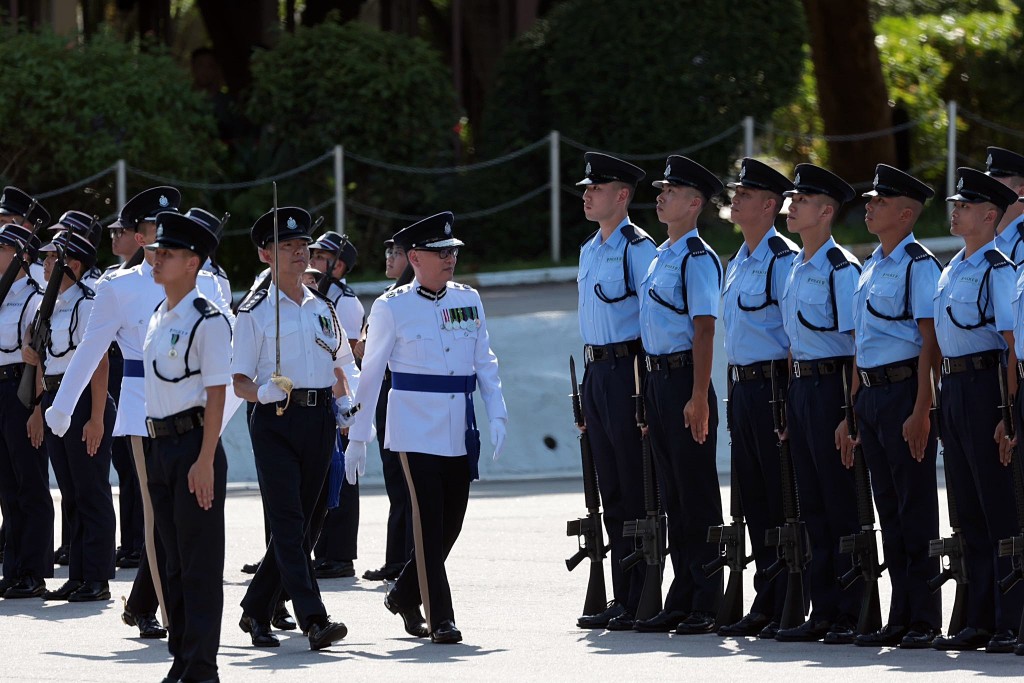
<point>355,461</point>
<point>270,393</point>
<point>498,435</point>
<point>59,422</point>
<point>344,412</point>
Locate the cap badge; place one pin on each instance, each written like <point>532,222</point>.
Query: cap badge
<point>743,171</point>
<point>447,228</point>
<point>960,185</point>
<point>164,201</point>
<point>796,181</point>
<point>988,162</point>
<point>587,172</point>
<point>875,181</point>
<point>3,198</point>
<point>292,225</point>
<point>668,170</point>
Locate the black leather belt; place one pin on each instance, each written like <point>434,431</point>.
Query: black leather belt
<point>888,374</point>
<point>669,361</point>
<point>52,382</point>
<point>593,353</point>
<point>12,371</point>
<point>974,362</point>
<point>310,398</point>
<point>175,425</point>
<point>821,367</point>
<point>763,370</point>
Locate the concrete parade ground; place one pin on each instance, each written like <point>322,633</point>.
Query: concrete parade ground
<point>514,602</point>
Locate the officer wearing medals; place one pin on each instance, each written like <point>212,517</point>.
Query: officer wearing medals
<point>1008,168</point>
<point>613,263</point>
<point>678,306</point>
<point>974,325</point>
<point>335,549</point>
<point>124,303</point>
<point>432,333</point>
<point>757,348</point>
<point>292,429</point>
<point>187,356</point>
<point>81,457</point>
<point>817,311</point>
<point>897,358</point>
<point>24,474</point>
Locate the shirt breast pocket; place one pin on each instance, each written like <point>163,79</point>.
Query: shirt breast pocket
<point>964,306</point>
<point>419,346</point>
<point>815,306</point>
<point>886,298</point>
<point>753,295</point>
<point>291,340</point>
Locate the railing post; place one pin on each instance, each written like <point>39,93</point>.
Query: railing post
<point>121,182</point>
<point>748,136</point>
<point>950,153</point>
<point>339,189</point>
<point>555,188</point>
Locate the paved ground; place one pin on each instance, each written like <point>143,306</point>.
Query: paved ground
<point>514,601</point>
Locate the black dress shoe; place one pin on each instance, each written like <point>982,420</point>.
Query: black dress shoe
<point>64,592</point>
<point>919,637</point>
<point>770,631</point>
<point>149,627</point>
<point>282,619</point>
<point>969,638</point>
<point>335,569</point>
<point>389,572</point>
<point>91,591</point>
<point>889,635</point>
<point>623,622</point>
<point>322,635</point>
<point>750,625</point>
<point>259,633</point>
<point>61,556</point>
<point>696,623</point>
<point>662,622</point>
<point>28,587</point>
<point>250,568</point>
<point>129,560</point>
<point>601,619</point>
<point>415,624</point>
<point>5,584</point>
<point>807,632</point>
<point>842,632</point>
<point>1002,642</point>
<point>1019,650</point>
<point>446,633</point>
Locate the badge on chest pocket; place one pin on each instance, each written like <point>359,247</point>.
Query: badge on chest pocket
<point>326,326</point>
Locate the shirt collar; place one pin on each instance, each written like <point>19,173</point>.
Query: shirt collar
<point>762,249</point>
<point>820,258</point>
<point>70,294</point>
<point>977,257</point>
<point>616,237</point>
<point>273,291</point>
<point>182,307</point>
<point>679,246</point>
<point>147,269</point>
<point>899,252</point>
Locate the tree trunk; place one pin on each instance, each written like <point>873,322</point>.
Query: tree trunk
<point>852,96</point>
<point>236,29</point>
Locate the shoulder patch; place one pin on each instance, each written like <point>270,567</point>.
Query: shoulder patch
<point>87,291</point>
<point>205,308</point>
<point>997,259</point>
<point>635,235</point>
<point>837,258</point>
<point>459,285</point>
<point>346,290</point>
<point>696,246</point>
<point>252,301</point>
<point>919,252</point>
<point>397,291</point>
<point>779,246</point>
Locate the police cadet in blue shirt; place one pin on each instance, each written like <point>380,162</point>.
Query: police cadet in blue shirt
<point>1008,168</point>
<point>974,326</point>
<point>678,306</point>
<point>896,356</point>
<point>817,309</point>
<point>757,347</point>
<point>613,263</point>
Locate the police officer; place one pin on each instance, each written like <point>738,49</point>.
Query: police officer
<point>187,355</point>
<point>974,326</point>
<point>216,226</point>
<point>433,334</point>
<point>124,303</point>
<point>1008,168</point>
<point>678,306</point>
<point>24,475</point>
<point>757,348</point>
<point>613,263</point>
<point>292,431</point>
<point>817,310</point>
<point>335,548</point>
<point>16,206</point>
<point>81,458</point>
<point>897,355</point>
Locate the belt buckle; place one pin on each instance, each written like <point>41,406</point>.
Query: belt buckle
<point>150,428</point>
<point>311,398</point>
<point>1020,368</point>
<point>945,366</point>
<point>588,353</point>
<point>796,369</point>
<point>649,364</point>
<point>865,379</point>
<point>735,372</point>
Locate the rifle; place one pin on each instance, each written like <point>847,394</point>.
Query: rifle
<point>41,331</point>
<point>1013,547</point>
<point>587,530</point>
<point>791,538</point>
<point>734,553</point>
<point>861,546</point>
<point>647,532</point>
<point>951,547</point>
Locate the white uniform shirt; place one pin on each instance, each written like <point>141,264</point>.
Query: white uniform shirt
<point>67,327</point>
<point>124,304</point>
<point>221,276</point>
<point>407,332</point>
<point>349,309</point>
<point>15,318</point>
<point>167,349</point>
<point>309,333</point>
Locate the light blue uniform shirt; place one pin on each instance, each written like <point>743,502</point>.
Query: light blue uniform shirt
<point>985,306</point>
<point>1018,317</point>
<point>752,336</point>
<point>883,286</point>
<point>808,296</point>
<point>1010,242</point>
<point>670,330</point>
<point>601,266</point>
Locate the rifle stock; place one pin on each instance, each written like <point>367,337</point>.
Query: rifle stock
<point>733,540</point>
<point>40,331</point>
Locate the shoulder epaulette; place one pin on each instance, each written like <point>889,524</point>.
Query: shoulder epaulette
<point>459,285</point>
<point>87,291</point>
<point>252,301</point>
<point>323,297</point>
<point>997,258</point>
<point>205,308</point>
<point>346,290</point>
<point>397,291</point>
<point>838,258</point>
<point>696,246</point>
<point>919,252</point>
<point>588,238</point>
<point>635,235</point>
<point>779,246</point>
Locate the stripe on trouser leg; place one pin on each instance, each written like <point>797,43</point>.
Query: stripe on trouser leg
<point>417,535</point>
<point>149,522</point>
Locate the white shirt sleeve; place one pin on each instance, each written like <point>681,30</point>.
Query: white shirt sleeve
<point>215,351</point>
<point>486,365</point>
<point>246,347</point>
<point>380,341</point>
